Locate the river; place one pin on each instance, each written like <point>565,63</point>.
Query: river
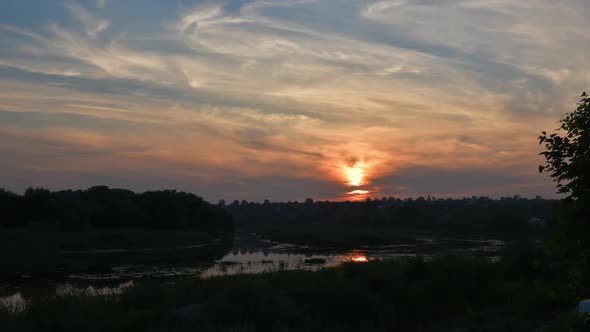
<point>248,254</point>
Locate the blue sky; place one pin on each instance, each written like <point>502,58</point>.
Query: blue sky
<point>287,99</point>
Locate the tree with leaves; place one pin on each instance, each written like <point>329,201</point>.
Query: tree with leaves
<point>567,160</point>
<point>568,156</point>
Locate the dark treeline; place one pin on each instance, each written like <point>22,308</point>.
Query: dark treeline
<point>104,208</point>
<point>467,215</point>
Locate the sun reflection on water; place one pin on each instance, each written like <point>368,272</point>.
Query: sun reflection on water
<point>358,258</point>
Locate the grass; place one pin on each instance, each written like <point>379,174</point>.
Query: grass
<point>40,252</point>
<point>446,294</point>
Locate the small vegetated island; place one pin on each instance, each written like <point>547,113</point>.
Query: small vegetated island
<point>534,285</point>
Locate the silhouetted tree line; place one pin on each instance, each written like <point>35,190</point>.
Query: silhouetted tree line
<point>475,214</point>
<point>104,208</point>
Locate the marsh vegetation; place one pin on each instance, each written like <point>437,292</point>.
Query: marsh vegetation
<point>446,293</point>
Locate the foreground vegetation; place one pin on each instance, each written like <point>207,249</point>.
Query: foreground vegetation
<point>448,293</point>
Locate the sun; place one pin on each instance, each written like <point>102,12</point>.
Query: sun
<point>355,176</point>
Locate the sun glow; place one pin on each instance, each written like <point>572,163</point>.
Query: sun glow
<point>358,192</point>
<point>355,176</point>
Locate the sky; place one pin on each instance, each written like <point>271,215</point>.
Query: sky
<point>289,99</point>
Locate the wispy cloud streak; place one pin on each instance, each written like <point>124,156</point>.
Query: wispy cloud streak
<point>230,92</point>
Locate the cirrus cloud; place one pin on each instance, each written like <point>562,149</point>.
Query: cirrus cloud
<point>228,92</point>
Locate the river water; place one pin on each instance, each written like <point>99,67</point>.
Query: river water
<point>248,255</point>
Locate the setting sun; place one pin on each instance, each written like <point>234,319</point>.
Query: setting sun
<point>355,176</point>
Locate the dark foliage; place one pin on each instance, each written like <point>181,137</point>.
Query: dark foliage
<point>477,215</point>
<point>567,155</point>
<point>105,208</point>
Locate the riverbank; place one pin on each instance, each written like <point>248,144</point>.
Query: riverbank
<point>344,238</point>
<point>446,293</point>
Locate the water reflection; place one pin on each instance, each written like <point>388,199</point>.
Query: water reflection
<point>71,290</point>
<point>250,255</point>
<point>13,304</point>
<point>17,302</point>
<point>246,262</point>
<point>267,256</point>
<point>247,255</point>
<point>359,258</point>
